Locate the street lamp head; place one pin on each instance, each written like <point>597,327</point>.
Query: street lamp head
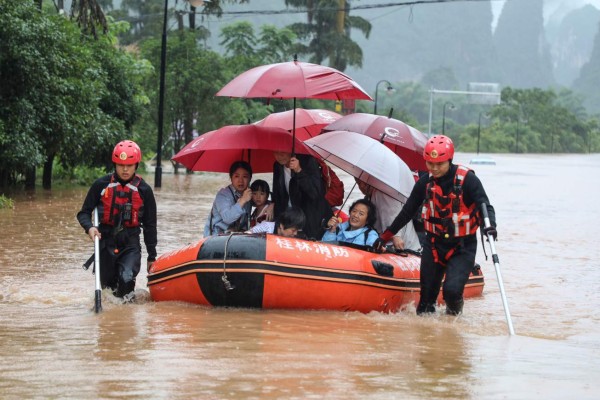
<point>389,89</point>
<point>444,115</point>
<point>450,104</point>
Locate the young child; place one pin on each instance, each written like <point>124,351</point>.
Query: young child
<point>289,224</point>
<point>260,199</point>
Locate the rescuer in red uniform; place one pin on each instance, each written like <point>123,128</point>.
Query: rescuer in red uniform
<point>126,206</point>
<point>449,199</point>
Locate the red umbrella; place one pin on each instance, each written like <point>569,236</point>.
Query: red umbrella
<point>309,123</point>
<point>215,151</point>
<point>407,142</point>
<point>292,80</point>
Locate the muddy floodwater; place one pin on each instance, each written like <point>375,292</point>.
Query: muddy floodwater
<point>52,345</point>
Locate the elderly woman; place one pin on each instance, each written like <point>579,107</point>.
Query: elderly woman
<point>359,227</point>
<point>231,209</point>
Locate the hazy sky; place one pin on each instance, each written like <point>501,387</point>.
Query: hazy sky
<point>552,8</point>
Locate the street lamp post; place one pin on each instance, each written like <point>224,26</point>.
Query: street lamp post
<point>389,87</point>
<point>161,90</point>
<point>161,100</point>
<point>479,129</point>
<point>448,103</point>
<point>520,118</point>
<point>518,130</point>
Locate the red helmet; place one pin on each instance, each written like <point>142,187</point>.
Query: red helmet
<point>127,152</point>
<point>439,148</point>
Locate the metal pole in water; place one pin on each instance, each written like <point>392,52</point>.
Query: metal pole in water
<point>490,239</point>
<point>98,293</point>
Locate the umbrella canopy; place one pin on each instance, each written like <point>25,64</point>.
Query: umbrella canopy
<point>294,79</point>
<point>366,159</point>
<point>216,150</point>
<point>407,142</point>
<point>309,123</point>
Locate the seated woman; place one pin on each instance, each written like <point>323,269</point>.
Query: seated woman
<point>359,227</point>
<point>260,200</point>
<point>289,224</point>
<point>231,209</point>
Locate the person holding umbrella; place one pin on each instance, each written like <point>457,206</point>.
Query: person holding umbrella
<point>449,199</point>
<point>297,182</point>
<point>231,208</point>
<point>126,206</point>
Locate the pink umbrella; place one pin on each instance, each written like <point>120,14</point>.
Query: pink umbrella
<point>309,123</point>
<point>407,142</point>
<point>215,151</point>
<point>292,80</point>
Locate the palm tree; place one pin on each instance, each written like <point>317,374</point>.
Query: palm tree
<point>88,14</point>
<point>326,35</point>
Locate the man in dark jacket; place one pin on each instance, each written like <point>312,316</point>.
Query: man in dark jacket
<point>297,182</point>
<point>126,205</point>
<point>449,199</point>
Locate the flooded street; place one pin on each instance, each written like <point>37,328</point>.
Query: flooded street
<point>52,345</point>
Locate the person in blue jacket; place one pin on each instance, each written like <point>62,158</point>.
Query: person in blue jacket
<point>359,227</point>
<point>232,205</point>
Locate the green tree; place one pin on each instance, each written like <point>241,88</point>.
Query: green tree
<point>193,76</point>
<point>55,98</point>
<point>89,15</point>
<point>540,121</point>
<point>326,34</point>
<point>146,16</point>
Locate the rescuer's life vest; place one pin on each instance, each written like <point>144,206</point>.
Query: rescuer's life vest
<point>448,216</point>
<point>122,205</point>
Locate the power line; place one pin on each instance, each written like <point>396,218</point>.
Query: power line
<point>305,10</point>
<point>357,7</point>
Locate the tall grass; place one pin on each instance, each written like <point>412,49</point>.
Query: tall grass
<point>6,202</point>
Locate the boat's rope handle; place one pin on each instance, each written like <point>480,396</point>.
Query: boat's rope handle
<point>226,282</point>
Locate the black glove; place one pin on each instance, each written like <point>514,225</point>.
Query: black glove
<point>490,231</point>
<point>379,245</point>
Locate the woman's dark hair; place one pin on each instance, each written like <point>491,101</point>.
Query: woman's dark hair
<point>240,164</point>
<point>259,184</point>
<point>291,217</point>
<point>371,216</point>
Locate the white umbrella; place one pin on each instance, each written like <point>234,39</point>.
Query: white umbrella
<point>366,159</point>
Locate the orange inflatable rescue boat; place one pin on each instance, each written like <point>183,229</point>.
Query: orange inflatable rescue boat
<point>269,271</point>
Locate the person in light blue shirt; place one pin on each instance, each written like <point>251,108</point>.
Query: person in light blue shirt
<point>231,209</point>
<point>359,227</point>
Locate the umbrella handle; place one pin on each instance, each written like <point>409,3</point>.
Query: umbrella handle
<point>294,130</point>
<point>345,200</point>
